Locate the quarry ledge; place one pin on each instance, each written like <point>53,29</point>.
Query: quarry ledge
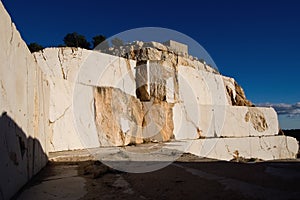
<point>228,149</point>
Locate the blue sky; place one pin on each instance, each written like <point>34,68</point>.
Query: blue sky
<point>256,42</point>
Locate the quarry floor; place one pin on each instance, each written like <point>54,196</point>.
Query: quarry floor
<point>72,175</point>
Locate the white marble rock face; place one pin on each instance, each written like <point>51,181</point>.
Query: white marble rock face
<point>72,73</point>
<point>197,102</point>
<point>24,105</point>
<point>207,121</point>
<point>264,148</point>
<point>71,98</point>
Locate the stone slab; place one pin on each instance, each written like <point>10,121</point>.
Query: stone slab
<point>264,148</point>
<point>192,122</point>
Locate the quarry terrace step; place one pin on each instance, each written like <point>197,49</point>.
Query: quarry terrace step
<point>245,148</point>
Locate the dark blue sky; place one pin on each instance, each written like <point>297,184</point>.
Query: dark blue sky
<point>256,42</point>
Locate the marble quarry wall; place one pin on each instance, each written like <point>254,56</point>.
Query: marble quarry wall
<point>151,94</point>
<point>24,105</point>
<point>71,98</point>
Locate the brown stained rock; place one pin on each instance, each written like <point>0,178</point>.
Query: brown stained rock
<point>200,133</point>
<point>154,54</point>
<point>184,61</point>
<point>257,119</point>
<point>147,121</point>
<point>240,98</point>
<point>247,117</point>
<point>141,54</point>
<point>142,93</point>
<point>155,51</point>
<point>230,95</point>
<point>151,81</point>
<point>158,121</point>
<point>170,59</point>
<point>111,105</point>
<point>142,81</point>
<point>155,45</point>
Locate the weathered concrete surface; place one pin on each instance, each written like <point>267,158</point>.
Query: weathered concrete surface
<point>24,104</point>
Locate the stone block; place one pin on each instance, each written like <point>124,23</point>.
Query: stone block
<point>196,121</point>
<point>177,47</point>
<point>264,148</point>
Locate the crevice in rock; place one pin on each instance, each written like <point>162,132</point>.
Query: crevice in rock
<point>129,69</point>
<point>52,144</point>
<point>142,87</point>
<point>45,59</point>
<point>188,119</point>
<point>286,144</point>
<point>61,116</point>
<point>42,52</point>
<point>60,51</point>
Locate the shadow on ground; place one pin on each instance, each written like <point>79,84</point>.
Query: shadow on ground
<point>21,156</point>
<point>188,178</point>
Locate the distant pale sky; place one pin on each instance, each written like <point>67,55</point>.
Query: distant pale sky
<point>256,42</point>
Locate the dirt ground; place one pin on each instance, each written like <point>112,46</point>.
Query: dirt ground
<point>189,177</point>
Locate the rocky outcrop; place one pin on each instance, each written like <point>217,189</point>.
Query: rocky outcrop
<point>24,107</point>
<point>235,94</point>
<point>155,51</point>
